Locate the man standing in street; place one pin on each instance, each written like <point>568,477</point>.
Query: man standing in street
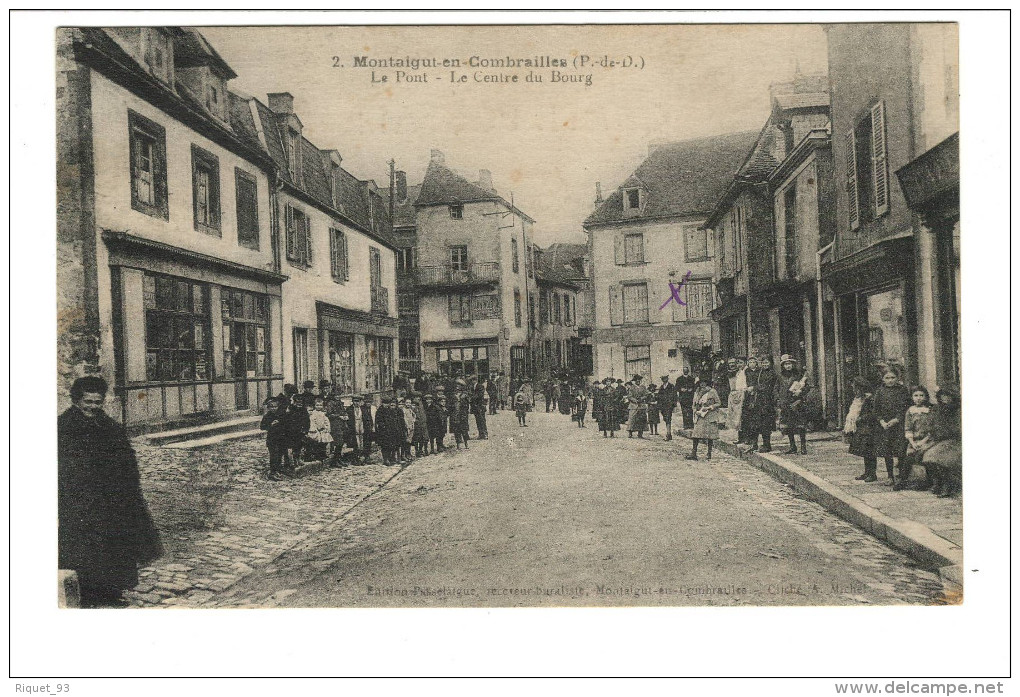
<point>104,527</point>
<point>666,401</point>
<point>480,405</point>
<point>685,396</point>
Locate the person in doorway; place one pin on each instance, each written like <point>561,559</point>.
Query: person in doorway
<point>793,389</point>
<point>892,400</point>
<point>104,529</point>
<point>706,417</point>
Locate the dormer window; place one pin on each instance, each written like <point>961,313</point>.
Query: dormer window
<point>334,185</point>
<point>156,51</point>
<point>212,100</point>
<point>632,199</point>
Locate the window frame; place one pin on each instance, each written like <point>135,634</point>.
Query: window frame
<point>240,176</point>
<point>690,297</point>
<point>518,319</point>
<point>176,318</point>
<point>456,211</point>
<point>148,129</point>
<point>689,232</point>
<point>298,240</point>
<point>204,162</point>
<point>456,264</point>
<point>339,255</point>
<point>644,361</point>
<point>630,236</point>
<point>462,302</point>
<point>627,193</point>
<point>623,302</point>
<point>514,256</point>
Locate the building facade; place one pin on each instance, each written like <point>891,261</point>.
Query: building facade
<point>169,287</point>
<point>652,259</point>
<point>340,307</point>
<point>474,277</point>
<point>894,97</point>
<point>556,337</point>
<point>571,260</point>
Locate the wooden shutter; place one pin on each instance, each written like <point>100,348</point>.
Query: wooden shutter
<point>308,240</point>
<point>615,309</point>
<point>679,311</point>
<point>334,254</point>
<point>291,233</point>
<point>159,173</point>
<point>618,250</point>
<point>879,164</point>
<point>853,202</point>
<point>346,268</point>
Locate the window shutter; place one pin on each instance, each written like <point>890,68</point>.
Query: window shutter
<point>880,167</point>
<point>449,309</point>
<point>619,254</point>
<point>679,311</point>
<point>346,268</point>
<point>615,317</point>
<point>159,174</point>
<point>289,222</point>
<point>308,240</point>
<point>851,180</point>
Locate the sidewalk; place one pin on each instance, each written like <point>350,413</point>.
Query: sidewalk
<point>917,522</point>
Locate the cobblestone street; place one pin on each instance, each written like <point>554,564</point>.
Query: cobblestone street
<point>549,515</point>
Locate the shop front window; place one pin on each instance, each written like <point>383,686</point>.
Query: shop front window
<point>378,363</point>
<point>464,361</point>
<point>341,361</point>
<point>245,334</point>
<point>176,329</point>
<point>886,329</point>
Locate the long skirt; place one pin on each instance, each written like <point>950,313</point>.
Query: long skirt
<point>637,418</point>
<point>705,427</point>
<point>735,410</point>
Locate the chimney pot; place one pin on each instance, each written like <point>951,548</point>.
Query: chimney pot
<point>437,156</point>
<point>485,179</point>
<point>281,102</point>
<point>401,192</point>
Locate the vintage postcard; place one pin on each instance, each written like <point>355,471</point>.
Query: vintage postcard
<point>508,316</point>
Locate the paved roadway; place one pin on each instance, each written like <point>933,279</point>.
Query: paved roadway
<point>553,515</point>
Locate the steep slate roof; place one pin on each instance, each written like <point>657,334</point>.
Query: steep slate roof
<point>552,270</point>
<point>681,178</point>
<point>193,49</point>
<point>567,257</point>
<point>443,186</point>
<point>354,197</point>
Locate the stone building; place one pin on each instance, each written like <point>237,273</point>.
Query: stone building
<point>556,337</point>
<point>647,239</point>
<point>893,269</point>
<point>168,283</point>
<point>335,247</point>
<point>571,260</point>
<point>475,285</point>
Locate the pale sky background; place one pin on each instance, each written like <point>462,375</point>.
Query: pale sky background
<point>548,143</point>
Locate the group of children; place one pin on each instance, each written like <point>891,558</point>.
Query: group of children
<point>903,427</point>
<point>309,427</point>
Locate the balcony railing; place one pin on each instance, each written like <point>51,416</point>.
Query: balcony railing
<point>477,273</point>
<point>380,300</point>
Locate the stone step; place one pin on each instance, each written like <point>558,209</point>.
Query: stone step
<point>214,439</point>
<point>191,433</point>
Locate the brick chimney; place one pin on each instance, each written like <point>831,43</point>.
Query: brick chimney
<point>438,157</point>
<point>598,192</point>
<point>281,103</point>
<point>401,186</point>
<point>485,179</point>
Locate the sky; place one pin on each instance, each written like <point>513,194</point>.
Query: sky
<point>547,143</point>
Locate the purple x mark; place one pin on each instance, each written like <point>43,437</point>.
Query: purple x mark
<point>675,292</point>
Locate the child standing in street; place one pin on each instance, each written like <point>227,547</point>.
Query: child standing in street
<point>917,424</point>
<point>521,407</point>
<point>435,414</point>
<point>653,411</point>
<point>706,416</point>
<point>860,426</point>
<point>407,411</point>
<point>892,400</point>
<point>581,407</point>
<point>297,429</point>
<point>274,423</point>
<point>319,438</point>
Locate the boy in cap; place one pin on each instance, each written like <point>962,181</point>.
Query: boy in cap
<point>274,423</point>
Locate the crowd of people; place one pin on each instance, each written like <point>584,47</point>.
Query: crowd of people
<point>342,429</point>
<point>885,420</point>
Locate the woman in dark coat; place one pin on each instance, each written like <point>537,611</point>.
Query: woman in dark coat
<point>760,404</point>
<point>104,527</point>
<point>892,400</point>
<point>793,389</point>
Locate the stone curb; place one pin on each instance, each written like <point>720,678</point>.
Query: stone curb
<point>917,540</point>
